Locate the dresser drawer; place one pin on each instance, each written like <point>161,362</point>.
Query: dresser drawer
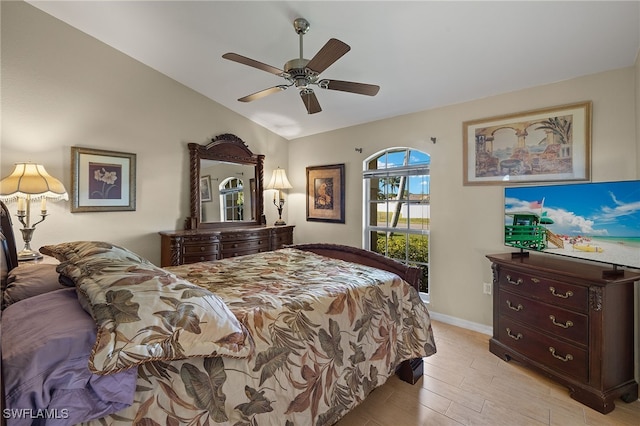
<point>557,292</point>
<point>235,253</point>
<point>281,238</point>
<point>244,235</point>
<point>548,318</point>
<point>558,355</point>
<point>194,258</point>
<point>255,245</point>
<point>195,248</point>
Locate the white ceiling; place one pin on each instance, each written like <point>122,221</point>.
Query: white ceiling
<point>423,54</point>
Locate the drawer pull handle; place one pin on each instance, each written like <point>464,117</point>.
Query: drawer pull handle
<point>514,337</point>
<point>564,296</point>
<point>202,248</point>
<point>569,357</point>
<point>518,282</point>
<point>559,324</point>
<point>515,308</point>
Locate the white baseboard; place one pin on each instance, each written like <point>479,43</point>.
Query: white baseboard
<point>469,325</point>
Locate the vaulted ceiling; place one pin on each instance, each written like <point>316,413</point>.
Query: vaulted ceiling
<point>423,54</point>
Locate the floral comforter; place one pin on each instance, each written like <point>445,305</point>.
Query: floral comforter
<point>325,334</point>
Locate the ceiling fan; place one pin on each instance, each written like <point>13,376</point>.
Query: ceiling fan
<point>303,73</point>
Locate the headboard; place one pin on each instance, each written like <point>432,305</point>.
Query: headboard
<point>8,255</point>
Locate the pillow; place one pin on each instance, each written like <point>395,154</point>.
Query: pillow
<point>28,280</point>
<point>145,313</point>
<point>86,250</point>
<point>46,342</point>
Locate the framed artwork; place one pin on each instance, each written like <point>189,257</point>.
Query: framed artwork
<point>545,145</point>
<point>102,180</point>
<point>325,193</point>
<point>205,188</point>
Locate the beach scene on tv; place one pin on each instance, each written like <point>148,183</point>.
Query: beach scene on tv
<point>593,221</point>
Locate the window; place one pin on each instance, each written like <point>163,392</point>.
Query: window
<point>397,207</point>
<point>231,199</point>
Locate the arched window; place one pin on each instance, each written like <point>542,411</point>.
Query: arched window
<point>397,207</point>
<point>231,199</point>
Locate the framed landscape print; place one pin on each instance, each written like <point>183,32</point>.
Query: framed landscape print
<point>325,193</point>
<point>551,144</point>
<point>102,180</point>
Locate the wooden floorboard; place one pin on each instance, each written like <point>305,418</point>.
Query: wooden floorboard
<point>465,384</point>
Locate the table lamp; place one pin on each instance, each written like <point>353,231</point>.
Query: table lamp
<point>30,182</point>
<point>279,181</point>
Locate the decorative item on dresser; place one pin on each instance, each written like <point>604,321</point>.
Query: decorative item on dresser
<point>219,229</point>
<point>568,321</point>
<point>279,182</point>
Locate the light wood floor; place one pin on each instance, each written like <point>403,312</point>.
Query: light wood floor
<point>465,384</point>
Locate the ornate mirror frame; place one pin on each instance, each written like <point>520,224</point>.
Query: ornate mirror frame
<point>231,149</point>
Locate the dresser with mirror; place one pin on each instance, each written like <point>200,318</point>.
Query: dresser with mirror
<point>227,206</point>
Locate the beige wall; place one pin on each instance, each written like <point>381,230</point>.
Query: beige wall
<point>466,221</point>
<point>62,88</point>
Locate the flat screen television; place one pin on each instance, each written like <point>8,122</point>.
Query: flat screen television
<point>592,221</point>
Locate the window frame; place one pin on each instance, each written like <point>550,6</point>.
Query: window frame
<point>407,170</point>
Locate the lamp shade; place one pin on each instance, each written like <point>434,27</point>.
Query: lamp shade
<point>29,179</point>
<point>279,180</point>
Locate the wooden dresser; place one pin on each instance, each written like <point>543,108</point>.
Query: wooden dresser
<point>190,246</point>
<point>563,319</point>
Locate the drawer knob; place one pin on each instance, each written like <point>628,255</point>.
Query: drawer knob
<point>517,282</point>
<point>567,295</point>
<point>559,324</point>
<point>569,357</point>
<point>515,308</point>
<point>514,336</point>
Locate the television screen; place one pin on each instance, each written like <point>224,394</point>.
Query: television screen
<point>592,221</point>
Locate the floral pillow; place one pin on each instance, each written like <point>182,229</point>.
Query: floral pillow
<point>145,313</point>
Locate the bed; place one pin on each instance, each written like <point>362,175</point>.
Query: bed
<point>297,336</point>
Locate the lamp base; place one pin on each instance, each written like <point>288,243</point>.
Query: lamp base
<point>28,255</point>
<point>279,222</point>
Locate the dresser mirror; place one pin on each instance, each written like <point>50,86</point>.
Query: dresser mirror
<point>226,181</point>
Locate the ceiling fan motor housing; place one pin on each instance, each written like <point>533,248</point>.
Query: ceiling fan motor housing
<point>298,73</point>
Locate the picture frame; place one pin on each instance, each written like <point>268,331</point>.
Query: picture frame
<point>102,180</point>
<point>325,193</point>
<point>205,188</point>
<point>543,145</point>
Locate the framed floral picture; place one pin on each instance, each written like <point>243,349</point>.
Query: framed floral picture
<point>325,193</point>
<point>102,180</point>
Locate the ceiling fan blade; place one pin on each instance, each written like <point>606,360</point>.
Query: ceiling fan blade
<point>263,93</point>
<point>333,50</point>
<point>252,63</point>
<point>350,86</point>
<point>310,101</point>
